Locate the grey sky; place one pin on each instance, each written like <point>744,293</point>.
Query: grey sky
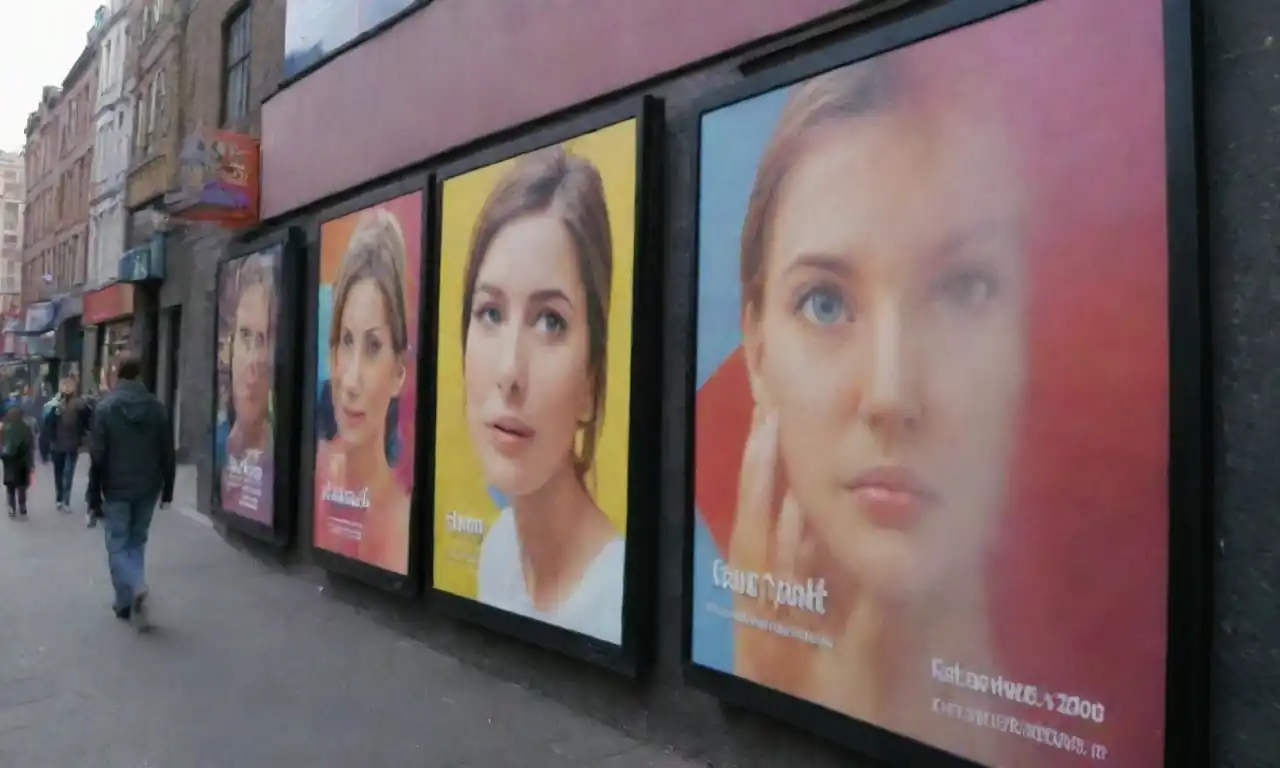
<point>42,40</point>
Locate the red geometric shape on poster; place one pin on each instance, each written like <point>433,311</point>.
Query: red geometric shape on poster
<point>721,432</point>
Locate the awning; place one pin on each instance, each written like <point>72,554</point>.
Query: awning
<point>42,317</point>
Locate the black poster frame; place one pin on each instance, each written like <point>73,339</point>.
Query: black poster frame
<point>633,655</point>
<point>1189,469</point>
<point>408,584</point>
<point>287,379</point>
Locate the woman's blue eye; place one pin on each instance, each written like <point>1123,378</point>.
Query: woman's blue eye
<point>550,323</point>
<point>823,306</point>
<point>489,315</point>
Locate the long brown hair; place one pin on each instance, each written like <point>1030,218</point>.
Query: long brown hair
<point>555,182</point>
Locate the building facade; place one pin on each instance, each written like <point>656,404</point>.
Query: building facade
<point>113,121</point>
<point>12,205</point>
<point>60,141</point>
<point>230,62</point>
<point>108,304</point>
<point>125,312</point>
<point>362,114</point>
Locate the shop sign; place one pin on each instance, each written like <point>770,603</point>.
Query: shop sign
<point>104,304</point>
<point>219,179</point>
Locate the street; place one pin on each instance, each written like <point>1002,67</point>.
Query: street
<point>245,667</point>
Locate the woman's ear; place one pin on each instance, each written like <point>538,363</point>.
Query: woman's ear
<point>753,353</point>
<point>401,374</point>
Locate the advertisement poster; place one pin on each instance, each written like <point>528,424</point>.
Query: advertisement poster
<point>932,389</point>
<point>314,29</point>
<point>367,345</point>
<point>534,382</point>
<point>248,318</point>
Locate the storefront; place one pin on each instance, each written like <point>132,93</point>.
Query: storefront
<point>109,312</point>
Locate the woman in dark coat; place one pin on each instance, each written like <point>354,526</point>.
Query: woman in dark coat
<point>17,452</point>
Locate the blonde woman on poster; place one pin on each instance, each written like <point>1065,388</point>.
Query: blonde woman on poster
<point>362,508</point>
<point>534,338</point>
<point>883,332</point>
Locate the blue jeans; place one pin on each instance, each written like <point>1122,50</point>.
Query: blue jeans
<point>126,524</point>
<point>64,473</point>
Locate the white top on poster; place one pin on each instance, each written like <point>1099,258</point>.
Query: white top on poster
<point>594,609</point>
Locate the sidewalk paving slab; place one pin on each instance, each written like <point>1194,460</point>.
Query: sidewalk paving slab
<point>246,667</point>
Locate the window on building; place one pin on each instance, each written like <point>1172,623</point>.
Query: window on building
<point>159,113</point>
<point>105,77</point>
<point>78,254</point>
<point>150,16</point>
<point>140,119</point>
<point>235,56</point>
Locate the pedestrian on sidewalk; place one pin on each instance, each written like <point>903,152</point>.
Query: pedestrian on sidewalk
<point>66,422</point>
<point>131,468</point>
<point>17,452</point>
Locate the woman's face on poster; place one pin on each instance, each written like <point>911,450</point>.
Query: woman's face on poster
<point>890,342</point>
<point>252,350</point>
<point>527,385</point>
<point>367,372</point>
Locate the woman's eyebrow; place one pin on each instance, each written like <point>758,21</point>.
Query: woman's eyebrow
<point>823,262</point>
<point>490,289</point>
<point>547,295</point>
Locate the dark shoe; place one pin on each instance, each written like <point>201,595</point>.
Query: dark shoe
<point>123,614</point>
<point>22,512</point>
<point>140,613</point>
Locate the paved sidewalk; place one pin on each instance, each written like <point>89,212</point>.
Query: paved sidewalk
<point>246,667</point>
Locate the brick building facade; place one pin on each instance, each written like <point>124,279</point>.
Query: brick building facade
<point>59,155</point>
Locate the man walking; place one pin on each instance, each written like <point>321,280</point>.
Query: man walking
<point>132,467</point>
<point>65,423</point>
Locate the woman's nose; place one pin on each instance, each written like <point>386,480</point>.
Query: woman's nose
<point>890,402</point>
<point>349,377</point>
<point>510,360</point>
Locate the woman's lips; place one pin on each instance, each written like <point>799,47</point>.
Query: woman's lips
<point>891,496</point>
<point>509,434</point>
<point>354,418</point>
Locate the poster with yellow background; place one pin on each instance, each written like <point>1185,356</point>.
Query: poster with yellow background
<point>533,384</point>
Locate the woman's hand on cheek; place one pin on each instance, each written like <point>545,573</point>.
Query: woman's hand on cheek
<point>767,539</point>
<point>754,521</point>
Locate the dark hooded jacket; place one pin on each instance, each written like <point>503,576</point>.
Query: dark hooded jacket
<point>131,447</point>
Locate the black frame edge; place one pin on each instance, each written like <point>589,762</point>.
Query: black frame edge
<point>1190,585</point>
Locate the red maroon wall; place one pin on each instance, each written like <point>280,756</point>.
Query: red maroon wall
<point>461,69</point>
